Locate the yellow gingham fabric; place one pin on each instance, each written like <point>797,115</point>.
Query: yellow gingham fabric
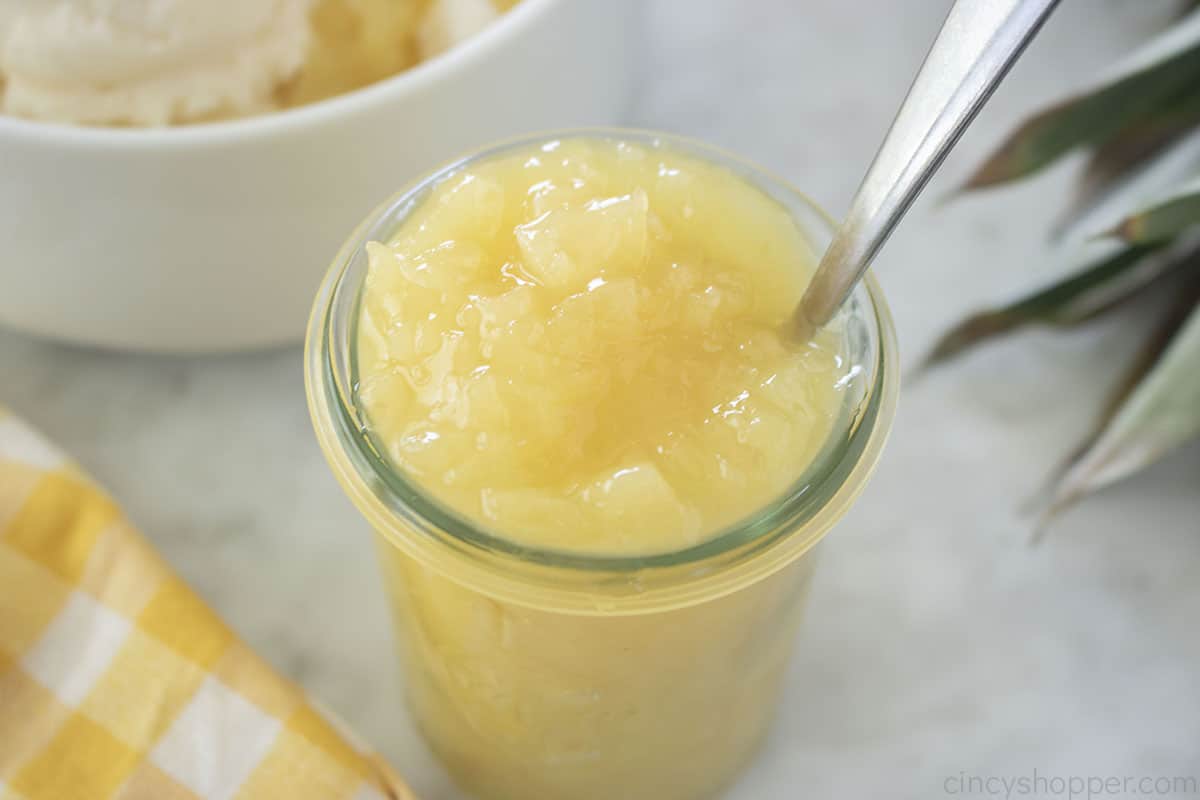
<point>116,681</point>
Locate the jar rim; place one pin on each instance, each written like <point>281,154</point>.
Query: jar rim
<point>409,518</point>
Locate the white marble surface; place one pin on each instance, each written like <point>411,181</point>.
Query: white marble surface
<point>939,642</point>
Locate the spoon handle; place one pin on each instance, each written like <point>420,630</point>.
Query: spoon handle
<point>978,43</point>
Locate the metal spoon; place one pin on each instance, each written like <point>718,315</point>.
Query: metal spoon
<point>978,43</point>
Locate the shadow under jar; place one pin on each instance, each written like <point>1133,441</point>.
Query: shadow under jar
<point>559,675</point>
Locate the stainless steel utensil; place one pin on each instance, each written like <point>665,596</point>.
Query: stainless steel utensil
<point>978,43</point>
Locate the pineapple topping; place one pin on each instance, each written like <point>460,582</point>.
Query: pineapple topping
<point>580,347</point>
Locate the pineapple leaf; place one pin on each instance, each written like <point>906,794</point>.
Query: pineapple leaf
<point>1188,294</point>
<point>1179,257</point>
<point>1146,84</point>
<point>1073,299</point>
<point>1148,184</point>
<point>1114,160</point>
<point>1161,413</point>
<point>1163,220</point>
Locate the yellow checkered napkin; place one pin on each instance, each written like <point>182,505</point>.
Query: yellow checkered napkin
<point>116,681</point>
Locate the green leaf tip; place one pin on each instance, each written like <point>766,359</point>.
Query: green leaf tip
<point>1153,81</point>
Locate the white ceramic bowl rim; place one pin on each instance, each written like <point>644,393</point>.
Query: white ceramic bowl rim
<point>267,124</point>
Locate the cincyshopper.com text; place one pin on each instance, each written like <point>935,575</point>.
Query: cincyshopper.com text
<point>1072,787</point>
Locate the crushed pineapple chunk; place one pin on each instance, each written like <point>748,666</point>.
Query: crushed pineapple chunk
<point>578,346</point>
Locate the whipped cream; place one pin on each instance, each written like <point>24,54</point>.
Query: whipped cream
<point>147,62</point>
<point>162,62</point>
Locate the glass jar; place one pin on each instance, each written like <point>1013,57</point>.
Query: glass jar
<point>551,675</point>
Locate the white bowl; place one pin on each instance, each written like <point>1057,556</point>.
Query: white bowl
<point>214,237</point>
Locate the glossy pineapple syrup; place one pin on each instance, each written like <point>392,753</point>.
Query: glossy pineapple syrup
<point>580,346</point>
